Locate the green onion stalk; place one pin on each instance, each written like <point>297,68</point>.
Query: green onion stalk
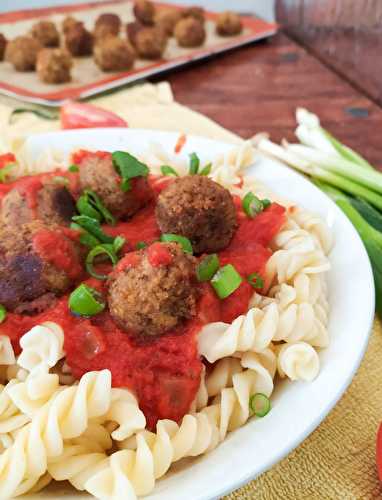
<point>344,175</point>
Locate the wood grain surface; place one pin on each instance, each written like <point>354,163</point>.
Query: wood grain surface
<point>258,88</point>
<point>346,34</point>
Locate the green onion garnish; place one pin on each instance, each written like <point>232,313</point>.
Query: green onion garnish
<point>252,205</point>
<point>3,313</point>
<point>41,113</point>
<point>59,179</point>
<point>118,243</point>
<point>85,238</point>
<point>109,252</point>
<point>206,170</point>
<point>93,227</point>
<point>86,301</point>
<point>185,243</point>
<point>5,171</point>
<point>255,280</point>
<point>128,167</point>
<point>207,267</point>
<point>266,203</point>
<point>90,204</point>
<point>259,404</point>
<point>74,168</point>
<point>167,170</point>
<point>141,245</point>
<point>194,164</point>
<point>226,281</point>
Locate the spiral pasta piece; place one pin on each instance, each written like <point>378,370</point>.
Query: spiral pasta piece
<point>298,361</point>
<point>148,456</point>
<point>65,416</point>
<point>7,356</point>
<point>313,225</point>
<point>11,418</point>
<point>42,347</point>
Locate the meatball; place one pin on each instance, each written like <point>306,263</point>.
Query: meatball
<point>148,296</point>
<point>22,53</point>
<point>166,19</point>
<point>78,40</point>
<point>30,277</point>
<point>68,23</point>
<point>3,44</point>
<point>199,209</point>
<point>228,24</point>
<point>144,11</point>
<point>46,33</point>
<point>99,175</point>
<point>190,32</point>
<point>53,204</point>
<point>132,30</point>
<point>195,12</point>
<point>54,65</point>
<point>107,24</point>
<point>113,54</point>
<point>150,43</point>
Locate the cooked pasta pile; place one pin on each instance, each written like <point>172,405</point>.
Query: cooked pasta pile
<point>95,436</point>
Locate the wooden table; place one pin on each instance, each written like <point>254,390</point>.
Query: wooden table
<point>258,88</point>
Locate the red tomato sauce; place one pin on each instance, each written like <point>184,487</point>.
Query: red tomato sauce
<point>163,372</point>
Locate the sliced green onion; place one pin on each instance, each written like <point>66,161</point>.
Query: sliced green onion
<point>3,313</point>
<point>93,227</point>
<point>90,204</point>
<point>255,280</point>
<point>108,250</point>
<point>74,168</point>
<point>266,203</point>
<point>185,243</point>
<point>206,170</point>
<point>167,170</point>
<point>194,164</point>
<point>59,179</point>
<point>118,243</point>
<point>259,404</point>
<point>207,267</point>
<point>128,167</point>
<point>5,171</point>
<point>141,245</point>
<point>226,281</point>
<point>252,205</point>
<point>85,238</point>
<point>86,301</point>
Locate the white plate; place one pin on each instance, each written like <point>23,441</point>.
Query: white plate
<point>298,407</point>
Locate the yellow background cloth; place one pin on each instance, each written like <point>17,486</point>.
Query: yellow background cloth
<point>337,461</point>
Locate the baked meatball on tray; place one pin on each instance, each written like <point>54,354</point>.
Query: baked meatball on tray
<point>74,51</point>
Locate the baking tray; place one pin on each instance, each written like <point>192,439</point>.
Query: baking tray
<point>87,78</point>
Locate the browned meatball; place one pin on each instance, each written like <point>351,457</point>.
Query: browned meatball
<point>54,65</point>
<point>68,23</point>
<point>46,33</point>
<point>113,54</point>
<point>199,209</point>
<point>132,30</point>
<point>149,296</point>
<point>144,11</point>
<point>3,44</point>
<point>30,277</point>
<point>228,24</point>
<point>52,204</point>
<point>107,24</point>
<point>22,53</point>
<point>195,12</point>
<point>78,40</point>
<point>150,43</point>
<point>190,32</point>
<point>166,19</point>
<point>99,175</point>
